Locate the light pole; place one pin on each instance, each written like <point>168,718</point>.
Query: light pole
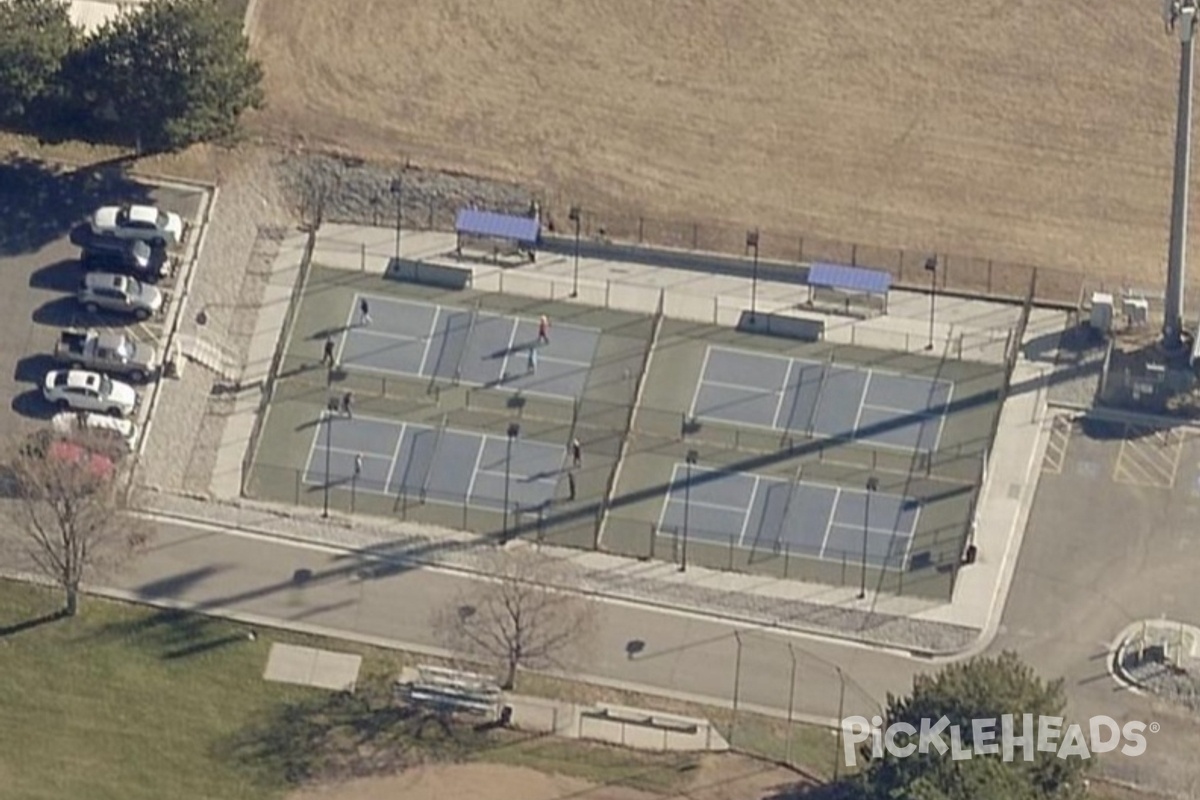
<point>328,452</point>
<point>514,430</point>
<point>837,755</point>
<point>872,485</point>
<point>1181,16</point>
<point>576,216</point>
<point>687,504</point>
<point>397,188</point>
<point>752,242</point>
<point>791,705</point>
<point>737,682</point>
<point>931,268</point>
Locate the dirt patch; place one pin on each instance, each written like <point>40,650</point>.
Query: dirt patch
<point>1028,132</point>
<point>719,778</point>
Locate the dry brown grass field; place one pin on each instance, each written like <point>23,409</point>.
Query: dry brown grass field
<point>1011,129</point>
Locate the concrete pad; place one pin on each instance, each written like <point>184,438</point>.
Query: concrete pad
<point>306,666</point>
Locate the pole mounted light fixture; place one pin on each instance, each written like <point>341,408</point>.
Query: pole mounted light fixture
<point>576,215</point>
<point>692,458</point>
<point>514,430</point>
<point>872,487</point>
<point>752,244</point>
<point>931,266</point>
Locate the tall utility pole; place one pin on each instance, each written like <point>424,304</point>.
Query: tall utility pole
<point>1180,16</point>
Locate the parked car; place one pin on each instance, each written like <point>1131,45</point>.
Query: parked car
<point>149,224</point>
<point>124,255</point>
<point>107,351</point>
<point>81,390</point>
<point>123,432</point>
<point>119,293</point>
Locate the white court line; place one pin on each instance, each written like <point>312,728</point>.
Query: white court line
<point>862,401</point>
<point>396,457</point>
<point>346,329</point>
<point>518,476</point>
<point>558,360</point>
<point>912,535</point>
<point>743,387</point>
<point>906,411</point>
<point>937,440</point>
<point>429,336</point>
<point>705,504</point>
<point>748,513</point>
<point>782,394</point>
<point>667,497</point>
<point>756,354</point>
<point>829,523</point>
<point>474,470</point>
<point>512,337</point>
<point>890,533</point>
<point>699,382</point>
<point>386,335</point>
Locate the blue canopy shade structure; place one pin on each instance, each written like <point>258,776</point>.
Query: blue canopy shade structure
<point>850,279</point>
<point>522,230</point>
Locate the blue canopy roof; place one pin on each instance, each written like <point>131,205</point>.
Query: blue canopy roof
<point>523,230</point>
<point>852,279</point>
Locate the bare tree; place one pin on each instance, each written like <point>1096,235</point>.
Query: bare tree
<point>517,619</point>
<point>68,508</point>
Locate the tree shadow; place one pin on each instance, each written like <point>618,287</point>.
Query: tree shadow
<point>30,624</point>
<point>39,202</point>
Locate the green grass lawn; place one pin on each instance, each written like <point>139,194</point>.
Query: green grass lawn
<point>128,702</point>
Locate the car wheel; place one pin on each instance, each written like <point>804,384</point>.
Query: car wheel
<point>137,376</point>
<point>91,308</point>
<point>63,405</point>
<point>158,242</point>
<point>116,411</point>
<point>142,314</point>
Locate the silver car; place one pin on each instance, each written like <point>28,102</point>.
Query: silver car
<point>119,293</point>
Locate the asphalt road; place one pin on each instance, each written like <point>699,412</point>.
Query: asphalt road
<point>676,654</point>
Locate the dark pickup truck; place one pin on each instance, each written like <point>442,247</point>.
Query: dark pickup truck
<point>107,351</point>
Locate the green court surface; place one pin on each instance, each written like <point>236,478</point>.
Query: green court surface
<point>808,461</point>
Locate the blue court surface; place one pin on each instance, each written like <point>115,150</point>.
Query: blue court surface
<point>768,514</point>
<point>473,347</point>
<point>439,465</point>
<point>822,399</point>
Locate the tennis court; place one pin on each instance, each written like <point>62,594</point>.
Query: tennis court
<point>481,348</point>
<point>821,399</point>
<point>435,464</point>
<point>758,513</point>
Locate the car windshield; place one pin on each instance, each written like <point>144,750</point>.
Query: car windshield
<point>163,219</point>
<point>106,385</point>
<point>132,286</point>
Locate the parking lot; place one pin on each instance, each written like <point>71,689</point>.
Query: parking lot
<point>41,214</point>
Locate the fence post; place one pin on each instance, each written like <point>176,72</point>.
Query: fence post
<point>430,226</point>
<point>853,255</point>
<point>787,558</point>
<point>363,257</point>
<point>731,545</point>
<point>989,279</point>
<point>716,309</point>
<point>800,255</point>
<point>653,539</point>
<point>298,481</point>
<point>641,229</point>
<point>607,292</point>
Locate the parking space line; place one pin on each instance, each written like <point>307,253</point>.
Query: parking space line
<point>1061,427</point>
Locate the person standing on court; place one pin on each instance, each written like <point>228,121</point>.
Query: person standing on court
<point>348,404</point>
<point>364,313</point>
<point>327,356</point>
<point>576,453</point>
<point>531,366</point>
<point>544,330</point>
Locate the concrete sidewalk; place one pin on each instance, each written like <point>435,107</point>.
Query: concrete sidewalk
<point>978,329</point>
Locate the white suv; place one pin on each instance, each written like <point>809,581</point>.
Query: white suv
<point>81,390</point>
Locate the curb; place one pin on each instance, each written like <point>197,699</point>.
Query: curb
<point>770,626</point>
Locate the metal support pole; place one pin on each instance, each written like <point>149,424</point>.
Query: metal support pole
<point>837,754</point>
<point>328,452</point>
<point>791,706</point>
<point>931,267</point>
<point>1184,21</point>
<point>576,217</point>
<point>752,242</point>
<point>507,473</point>
<point>737,682</point>
<point>692,457</point>
<point>872,485</point>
